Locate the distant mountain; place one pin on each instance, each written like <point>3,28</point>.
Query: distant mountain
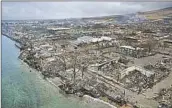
<point>157,14</point>
<point>116,19</point>
<point>120,19</point>
<point>134,17</point>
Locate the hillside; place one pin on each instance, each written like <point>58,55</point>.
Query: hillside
<point>157,14</point>
<point>135,17</point>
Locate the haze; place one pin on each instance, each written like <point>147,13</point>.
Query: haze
<point>61,10</point>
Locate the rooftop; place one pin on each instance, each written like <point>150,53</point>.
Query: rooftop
<point>128,47</point>
<point>58,28</point>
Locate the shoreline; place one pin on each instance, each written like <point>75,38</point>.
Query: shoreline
<point>86,98</point>
<point>11,38</point>
<point>93,100</point>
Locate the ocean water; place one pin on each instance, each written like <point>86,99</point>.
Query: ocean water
<point>24,89</point>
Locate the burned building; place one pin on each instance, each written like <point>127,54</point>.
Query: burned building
<point>131,51</point>
<point>167,43</point>
<point>137,78</point>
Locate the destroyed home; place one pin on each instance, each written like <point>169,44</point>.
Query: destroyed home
<point>137,78</point>
<point>133,52</point>
<point>119,63</point>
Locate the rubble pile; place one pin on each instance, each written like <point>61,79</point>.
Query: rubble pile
<point>165,97</point>
<point>137,81</point>
<point>161,68</point>
<point>97,57</point>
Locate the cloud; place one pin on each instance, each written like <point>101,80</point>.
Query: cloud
<point>59,10</point>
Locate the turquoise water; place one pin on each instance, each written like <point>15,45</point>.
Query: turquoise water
<point>24,89</point>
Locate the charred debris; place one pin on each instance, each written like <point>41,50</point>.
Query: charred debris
<point>117,63</point>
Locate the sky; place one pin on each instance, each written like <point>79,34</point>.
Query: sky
<point>61,10</point>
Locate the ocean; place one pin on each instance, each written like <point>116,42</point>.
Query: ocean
<point>24,89</point>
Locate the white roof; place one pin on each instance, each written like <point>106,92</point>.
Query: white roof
<point>58,28</point>
<point>85,39</point>
<point>129,47</point>
<point>106,38</point>
<point>88,39</point>
<point>50,59</point>
<point>45,45</point>
<point>95,40</point>
<point>101,39</point>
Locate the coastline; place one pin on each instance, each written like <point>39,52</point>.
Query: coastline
<point>92,100</point>
<point>11,38</point>
<point>87,98</point>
